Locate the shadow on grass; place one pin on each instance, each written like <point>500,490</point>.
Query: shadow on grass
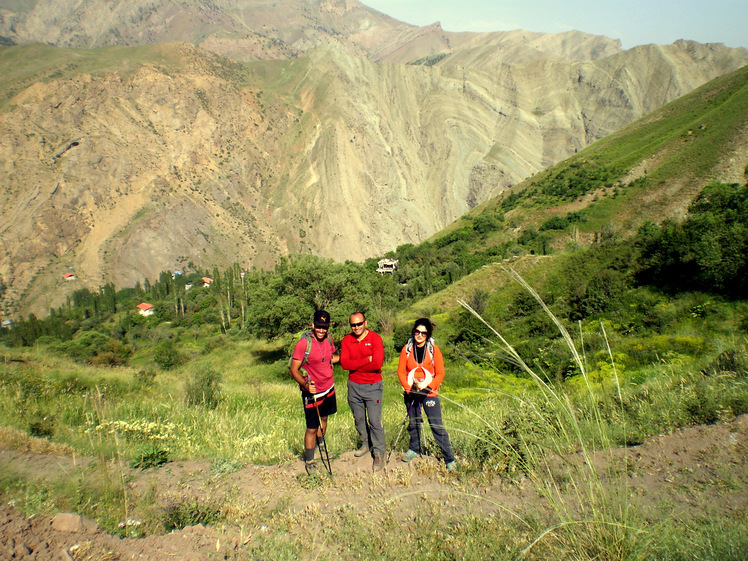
<point>270,356</point>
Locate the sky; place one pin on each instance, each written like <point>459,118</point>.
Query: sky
<point>634,22</point>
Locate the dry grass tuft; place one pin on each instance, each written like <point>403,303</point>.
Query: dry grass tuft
<point>14,439</point>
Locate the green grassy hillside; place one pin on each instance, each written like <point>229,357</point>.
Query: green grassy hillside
<point>650,170</point>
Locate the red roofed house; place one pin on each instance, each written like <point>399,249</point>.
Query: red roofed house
<point>69,276</point>
<point>145,308</point>
<point>207,281</point>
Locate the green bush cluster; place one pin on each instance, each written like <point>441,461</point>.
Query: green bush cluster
<point>577,178</point>
<point>708,251</point>
<point>203,388</point>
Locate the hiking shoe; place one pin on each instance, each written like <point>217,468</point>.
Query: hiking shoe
<point>378,463</point>
<point>409,455</point>
<point>311,467</point>
<point>361,451</point>
<point>452,466</point>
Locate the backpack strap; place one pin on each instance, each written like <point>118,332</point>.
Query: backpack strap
<point>308,337</point>
<point>429,346</point>
<point>409,347</point>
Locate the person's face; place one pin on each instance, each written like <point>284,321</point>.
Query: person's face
<point>320,332</point>
<point>420,335</point>
<point>358,325</point>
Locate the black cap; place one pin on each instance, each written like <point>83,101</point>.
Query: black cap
<point>321,319</point>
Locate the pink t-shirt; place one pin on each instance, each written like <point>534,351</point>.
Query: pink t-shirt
<point>318,366</point>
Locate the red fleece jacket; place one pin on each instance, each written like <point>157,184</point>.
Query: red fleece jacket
<point>354,357</point>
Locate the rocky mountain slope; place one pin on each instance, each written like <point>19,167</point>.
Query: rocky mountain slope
<point>263,29</point>
<point>124,161</point>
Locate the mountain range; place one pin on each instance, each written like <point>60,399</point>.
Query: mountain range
<point>139,137</point>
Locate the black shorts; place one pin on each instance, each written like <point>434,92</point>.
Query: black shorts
<point>328,405</point>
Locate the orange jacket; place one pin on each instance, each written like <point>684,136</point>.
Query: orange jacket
<point>408,363</point>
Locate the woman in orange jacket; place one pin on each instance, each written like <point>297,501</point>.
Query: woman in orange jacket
<point>421,371</point>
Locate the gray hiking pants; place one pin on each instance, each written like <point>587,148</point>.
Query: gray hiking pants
<point>365,401</point>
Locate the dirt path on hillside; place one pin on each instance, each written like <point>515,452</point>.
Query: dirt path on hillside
<point>693,469</point>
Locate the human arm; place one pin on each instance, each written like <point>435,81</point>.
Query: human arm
<point>347,359</point>
<point>305,383</point>
<point>370,353</point>
<point>298,373</point>
<point>377,356</point>
<point>438,370</point>
<point>402,370</point>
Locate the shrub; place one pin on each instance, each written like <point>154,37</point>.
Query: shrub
<point>555,223</point>
<point>43,426</point>
<point>204,389</point>
<point>96,348</point>
<point>727,361</point>
<point>191,513</point>
<point>400,336</point>
<point>487,223</point>
<point>145,377</point>
<point>166,355</point>
<point>149,457</point>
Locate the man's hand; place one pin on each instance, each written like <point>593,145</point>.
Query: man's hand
<point>309,387</point>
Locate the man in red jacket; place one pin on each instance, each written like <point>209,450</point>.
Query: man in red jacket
<point>362,354</point>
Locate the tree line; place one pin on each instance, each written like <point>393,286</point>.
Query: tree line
<point>707,251</point>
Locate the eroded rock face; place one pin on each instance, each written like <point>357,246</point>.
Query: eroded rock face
<point>125,163</point>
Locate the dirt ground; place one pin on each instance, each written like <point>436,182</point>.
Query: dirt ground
<point>693,469</point>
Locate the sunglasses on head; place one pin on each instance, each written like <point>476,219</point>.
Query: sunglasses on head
<point>359,324</point>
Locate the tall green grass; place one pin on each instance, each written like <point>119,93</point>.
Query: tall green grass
<point>593,519</point>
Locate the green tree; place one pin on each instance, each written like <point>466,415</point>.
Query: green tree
<point>166,354</point>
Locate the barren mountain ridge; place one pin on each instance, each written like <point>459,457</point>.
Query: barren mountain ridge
<point>145,136</point>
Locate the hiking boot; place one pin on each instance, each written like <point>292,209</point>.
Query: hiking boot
<point>361,451</point>
<point>378,463</point>
<point>311,467</point>
<point>409,455</point>
<point>452,466</point>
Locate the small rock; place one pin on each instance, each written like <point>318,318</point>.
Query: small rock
<point>69,522</point>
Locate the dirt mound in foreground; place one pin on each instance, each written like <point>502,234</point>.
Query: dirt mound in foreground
<point>693,468</point>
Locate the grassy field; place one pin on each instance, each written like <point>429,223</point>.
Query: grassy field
<point>236,406</point>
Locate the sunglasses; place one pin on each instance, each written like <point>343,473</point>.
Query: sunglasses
<point>359,324</point>
<point>419,332</point>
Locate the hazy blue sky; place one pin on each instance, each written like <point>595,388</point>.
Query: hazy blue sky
<point>634,22</point>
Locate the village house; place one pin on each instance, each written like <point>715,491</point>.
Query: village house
<point>146,309</point>
<point>387,266</point>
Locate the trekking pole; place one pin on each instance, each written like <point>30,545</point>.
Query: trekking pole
<point>400,432</point>
<point>323,453</point>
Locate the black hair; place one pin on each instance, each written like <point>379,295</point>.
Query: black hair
<point>423,322</point>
